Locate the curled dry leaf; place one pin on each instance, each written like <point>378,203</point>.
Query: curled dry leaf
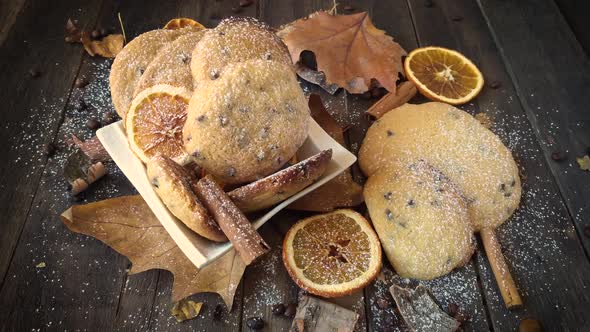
<point>349,49</point>
<point>108,47</point>
<point>186,309</point>
<point>127,225</point>
<point>341,191</point>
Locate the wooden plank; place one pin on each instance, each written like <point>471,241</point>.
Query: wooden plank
<point>539,241</point>
<point>553,88</point>
<point>9,10</point>
<point>33,107</point>
<point>575,14</point>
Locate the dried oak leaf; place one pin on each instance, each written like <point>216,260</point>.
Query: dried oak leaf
<point>584,163</point>
<point>349,49</point>
<point>127,225</point>
<point>341,191</point>
<point>108,47</point>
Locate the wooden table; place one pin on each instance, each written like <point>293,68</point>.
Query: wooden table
<point>540,105</point>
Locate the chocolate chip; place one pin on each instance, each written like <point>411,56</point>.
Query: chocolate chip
<point>223,121</point>
<point>411,202</point>
<point>388,195</point>
<point>155,182</point>
<point>557,156</point>
<point>348,8</point>
<point>231,172</point>
<point>246,3</point>
<point>268,56</point>
<point>93,124</point>
<point>80,82</point>
<point>34,73</point>
<point>383,303</point>
<point>291,310</point>
<point>279,160</point>
<point>278,309</point>
<point>495,84</point>
<point>507,194</point>
<point>201,118</point>
<point>290,108</point>
<point>502,187</point>
<point>141,71</point>
<point>214,74</point>
<point>95,34</point>
<point>428,3</point>
<point>198,155</point>
<point>389,133</point>
<point>255,323</point>
<point>513,183</point>
<point>108,118</point>
<point>388,214</point>
<point>185,58</point>
<point>457,18</point>
<point>587,230</point>
<point>49,149</point>
<point>217,312</point>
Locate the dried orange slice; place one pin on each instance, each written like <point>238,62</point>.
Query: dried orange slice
<point>155,120</point>
<point>181,22</point>
<point>443,75</point>
<point>332,254</point>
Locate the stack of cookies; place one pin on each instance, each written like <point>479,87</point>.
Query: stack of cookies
<point>223,102</point>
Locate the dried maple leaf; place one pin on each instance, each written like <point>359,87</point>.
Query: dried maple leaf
<point>584,163</point>
<point>127,225</point>
<point>341,191</point>
<point>108,47</point>
<point>349,49</point>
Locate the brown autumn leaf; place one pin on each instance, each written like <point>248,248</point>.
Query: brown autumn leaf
<point>108,47</point>
<point>127,225</point>
<point>349,49</point>
<point>341,191</point>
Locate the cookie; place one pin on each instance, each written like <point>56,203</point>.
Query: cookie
<point>174,185</point>
<point>236,40</point>
<point>248,123</point>
<point>281,185</point>
<point>172,64</point>
<point>132,61</point>
<point>422,221</point>
<point>457,145</point>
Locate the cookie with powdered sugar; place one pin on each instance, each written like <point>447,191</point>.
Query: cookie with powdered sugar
<point>247,123</point>
<point>421,219</point>
<point>457,145</point>
<point>236,40</point>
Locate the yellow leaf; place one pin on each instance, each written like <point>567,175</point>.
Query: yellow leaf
<point>584,163</point>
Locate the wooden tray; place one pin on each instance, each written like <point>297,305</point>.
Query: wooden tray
<point>198,249</point>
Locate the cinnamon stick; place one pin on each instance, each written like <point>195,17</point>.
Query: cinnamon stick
<point>234,224</point>
<point>404,92</point>
<point>500,268</point>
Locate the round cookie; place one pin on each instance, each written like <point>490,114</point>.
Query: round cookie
<point>236,40</point>
<point>457,145</point>
<point>421,220</point>
<point>131,63</point>
<point>172,64</point>
<point>174,185</point>
<point>246,124</point>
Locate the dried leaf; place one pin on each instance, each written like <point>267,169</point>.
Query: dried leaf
<point>405,91</point>
<point>108,47</point>
<point>316,77</point>
<point>584,163</point>
<point>92,148</point>
<point>73,34</point>
<point>186,309</point>
<point>41,265</point>
<point>420,311</point>
<point>349,49</point>
<point>341,191</point>
<point>127,225</point>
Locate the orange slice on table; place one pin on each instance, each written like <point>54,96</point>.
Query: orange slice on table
<point>155,120</point>
<point>443,75</point>
<point>181,22</point>
<point>332,254</point>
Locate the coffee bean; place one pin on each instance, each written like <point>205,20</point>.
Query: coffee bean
<point>411,202</point>
<point>34,73</point>
<point>255,323</point>
<point>457,18</point>
<point>237,9</point>
<point>108,118</point>
<point>80,82</point>
<point>92,124</point>
<point>217,312</point>
<point>95,34</point>
<point>278,309</point>
<point>495,84</point>
<point>291,310</point>
<point>348,8</point>
<point>587,231</point>
<point>529,325</point>
<point>246,3</point>
<point>49,149</point>
<point>557,156</point>
<point>383,303</point>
